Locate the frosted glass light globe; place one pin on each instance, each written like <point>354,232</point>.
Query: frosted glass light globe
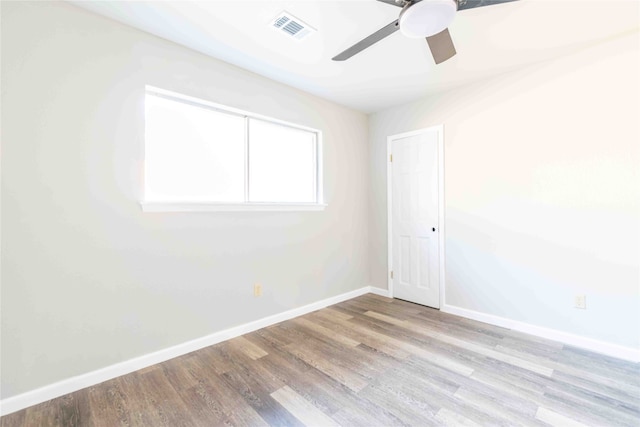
<point>428,17</point>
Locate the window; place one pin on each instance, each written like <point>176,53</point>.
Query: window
<point>203,156</point>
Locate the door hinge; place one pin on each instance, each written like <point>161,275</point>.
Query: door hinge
<point>391,158</point>
<point>391,274</point>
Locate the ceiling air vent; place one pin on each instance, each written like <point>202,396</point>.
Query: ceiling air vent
<point>292,26</point>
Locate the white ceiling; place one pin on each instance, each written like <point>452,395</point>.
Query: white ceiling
<point>489,40</point>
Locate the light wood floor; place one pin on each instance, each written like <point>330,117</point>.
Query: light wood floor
<point>370,361</point>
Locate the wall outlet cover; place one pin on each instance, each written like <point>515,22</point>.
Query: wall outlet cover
<point>257,290</point>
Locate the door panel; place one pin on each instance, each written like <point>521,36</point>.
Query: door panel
<point>414,211</point>
<point>423,260</point>
<point>405,260</point>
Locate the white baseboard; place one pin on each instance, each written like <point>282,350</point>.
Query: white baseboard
<point>79,382</point>
<point>602,347</point>
<point>380,291</point>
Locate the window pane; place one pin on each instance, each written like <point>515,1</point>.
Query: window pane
<point>282,163</point>
<point>192,153</point>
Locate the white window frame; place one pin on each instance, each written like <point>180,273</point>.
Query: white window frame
<point>181,206</point>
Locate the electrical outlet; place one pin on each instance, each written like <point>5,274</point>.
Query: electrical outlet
<point>257,290</point>
<point>581,302</point>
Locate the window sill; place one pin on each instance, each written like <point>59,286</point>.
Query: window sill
<point>227,207</point>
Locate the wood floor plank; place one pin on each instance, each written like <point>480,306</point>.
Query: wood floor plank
<point>507,358</point>
<point>322,390</point>
<point>279,353</point>
<point>161,402</point>
<point>179,372</point>
<point>443,350</point>
<point>369,361</point>
<point>594,410</point>
<point>213,400</point>
<point>549,352</point>
<point>271,338</point>
<point>459,324</point>
<point>350,308</point>
<point>218,405</point>
<point>355,359</point>
<point>440,393</point>
<point>366,415</point>
<point>44,415</point>
<point>486,403</point>
<point>302,409</point>
<point>377,298</point>
<point>630,384</point>
<point>312,385</point>
<point>267,379</point>
<point>343,375</point>
<point>16,419</point>
<point>385,318</point>
<point>600,364</point>
<point>621,396</point>
<point>449,418</point>
<point>405,407</point>
<point>494,399</point>
<point>247,347</point>
<point>547,392</point>
<point>218,358</point>
<point>331,334</point>
<point>246,418</point>
<point>372,341</point>
<point>410,348</point>
<point>446,337</point>
<point>259,398</point>
<point>398,309</point>
<point>331,313</point>
<point>555,419</point>
<point>291,330</point>
<point>610,406</point>
<point>204,408</point>
<point>78,410</point>
<point>108,405</point>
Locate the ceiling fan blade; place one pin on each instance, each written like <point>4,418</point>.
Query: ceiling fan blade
<point>393,2</point>
<point>365,43</point>
<point>441,46</point>
<point>471,4</point>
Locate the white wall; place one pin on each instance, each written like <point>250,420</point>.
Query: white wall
<point>542,191</point>
<point>88,279</point>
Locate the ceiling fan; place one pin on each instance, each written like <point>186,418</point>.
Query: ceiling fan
<point>422,18</point>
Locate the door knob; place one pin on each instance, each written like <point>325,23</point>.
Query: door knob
<point>433,229</point>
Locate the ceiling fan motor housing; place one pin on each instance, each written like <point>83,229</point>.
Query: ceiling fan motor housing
<point>427,17</point>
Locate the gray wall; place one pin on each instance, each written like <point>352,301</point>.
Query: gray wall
<point>88,279</point>
<point>542,191</point>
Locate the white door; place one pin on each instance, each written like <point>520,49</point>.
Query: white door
<point>415,212</point>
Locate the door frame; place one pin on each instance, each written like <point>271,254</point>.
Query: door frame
<point>441,224</point>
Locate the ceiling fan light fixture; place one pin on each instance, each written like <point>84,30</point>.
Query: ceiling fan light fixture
<point>427,18</point>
